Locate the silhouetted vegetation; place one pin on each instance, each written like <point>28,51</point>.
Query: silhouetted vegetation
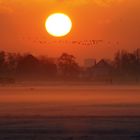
<point>68,67</point>
<point>14,67</point>
<point>128,64</point>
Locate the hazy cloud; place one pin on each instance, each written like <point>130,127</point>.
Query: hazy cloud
<point>107,2</point>
<point>4,7</point>
<point>97,2</point>
<point>76,2</point>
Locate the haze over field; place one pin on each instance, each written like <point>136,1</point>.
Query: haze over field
<point>68,100</point>
<point>70,112</point>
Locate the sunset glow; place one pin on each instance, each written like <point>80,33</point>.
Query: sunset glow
<point>23,27</point>
<point>70,69</point>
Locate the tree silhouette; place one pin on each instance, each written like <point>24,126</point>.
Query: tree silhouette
<point>128,63</point>
<point>13,65</point>
<point>68,66</point>
<point>12,62</point>
<point>48,67</point>
<point>2,63</point>
<point>28,65</point>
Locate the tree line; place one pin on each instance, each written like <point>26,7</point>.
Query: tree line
<point>28,66</point>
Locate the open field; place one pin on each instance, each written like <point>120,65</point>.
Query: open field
<point>70,112</point>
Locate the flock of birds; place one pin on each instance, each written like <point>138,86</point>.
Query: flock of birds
<point>86,43</point>
<point>74,42</point>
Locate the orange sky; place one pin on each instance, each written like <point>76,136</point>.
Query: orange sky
<point>22,26</point>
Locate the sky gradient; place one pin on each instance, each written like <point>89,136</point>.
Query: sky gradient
<point>116,22</point>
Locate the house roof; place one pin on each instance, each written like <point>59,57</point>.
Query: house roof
<point>103,64</point>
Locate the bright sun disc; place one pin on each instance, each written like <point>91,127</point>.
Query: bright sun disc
<point>58,24</point>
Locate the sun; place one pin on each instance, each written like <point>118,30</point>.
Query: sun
<point>58,24</point>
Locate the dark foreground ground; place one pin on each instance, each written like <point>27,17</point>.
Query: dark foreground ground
<point>70,113</point>
<point>69,128</point>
